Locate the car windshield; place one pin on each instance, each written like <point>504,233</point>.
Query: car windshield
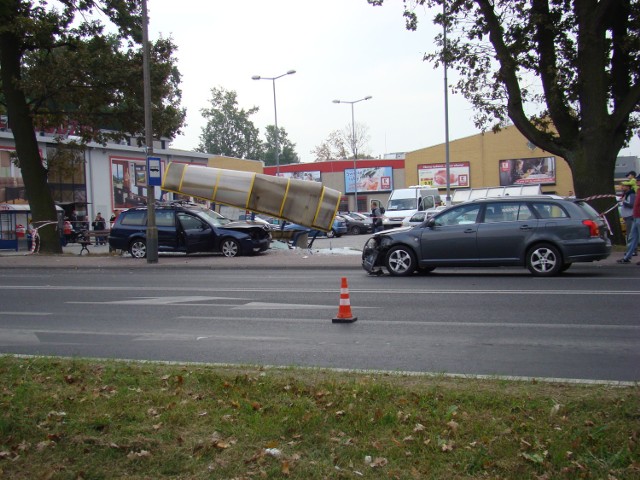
<point>402,204</point>
<point>213,218</point>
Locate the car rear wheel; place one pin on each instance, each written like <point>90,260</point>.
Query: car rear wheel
<point>544,260</point>
<point>400,261</point>
<point>230,247</point>
<point>138,248</point>
<point>355,230</point>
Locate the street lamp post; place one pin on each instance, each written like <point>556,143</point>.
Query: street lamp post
<point>275,110</point>
<point>354,145</point>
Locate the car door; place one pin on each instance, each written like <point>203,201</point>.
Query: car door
<point>504,232</point>
<point>451,237</point>
<point>166,223</point>
<point>197,234</point>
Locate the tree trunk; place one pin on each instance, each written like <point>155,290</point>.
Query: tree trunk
<point>21,123</point>
<point>592,167</point>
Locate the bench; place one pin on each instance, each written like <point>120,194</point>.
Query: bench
<point>84,239</point>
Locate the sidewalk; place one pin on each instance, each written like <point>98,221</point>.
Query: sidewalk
<point>278,256</point>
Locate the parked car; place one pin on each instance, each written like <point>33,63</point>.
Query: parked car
<point>188,228</point>
<point>357,223</point>
<point>545,234</point>
<point>419,217</point>
<point>338,228</point>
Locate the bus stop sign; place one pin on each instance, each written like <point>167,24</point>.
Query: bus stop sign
<point>154,171</point>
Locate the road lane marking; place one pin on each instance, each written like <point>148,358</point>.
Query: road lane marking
<point>161,301</point>
<point>389,291</point>
<point>30,314</point>
<point>280,306</point>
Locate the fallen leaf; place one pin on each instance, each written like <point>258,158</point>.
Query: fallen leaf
<point>285,467</point>
<point>453,426</point>
<point>379,462</point>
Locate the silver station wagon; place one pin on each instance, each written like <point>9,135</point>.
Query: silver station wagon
<point>545,234</point>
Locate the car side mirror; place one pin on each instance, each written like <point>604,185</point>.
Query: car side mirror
<point>431,222</point>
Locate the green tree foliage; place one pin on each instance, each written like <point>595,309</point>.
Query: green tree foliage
<point>288,153</point>
<point>58,68</point>
<point>229,131</point>
<point>566,73</point>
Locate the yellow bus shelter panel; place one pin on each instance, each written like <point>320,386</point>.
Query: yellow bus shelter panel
<point>234,187</point>
<point>172,177</point>
<point>302,201</point>
<point>268,194</point>
<point>327,209</point>
<point>199,181</point>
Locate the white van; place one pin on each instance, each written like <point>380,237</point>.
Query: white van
<point>404,202</point>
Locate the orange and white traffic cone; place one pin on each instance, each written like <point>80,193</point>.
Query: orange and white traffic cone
<point>344,311</point>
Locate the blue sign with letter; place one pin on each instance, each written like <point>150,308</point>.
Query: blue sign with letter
<point>154,171</point>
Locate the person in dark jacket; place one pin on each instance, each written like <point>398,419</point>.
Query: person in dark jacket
<point>376,217</point>
<point>100,225</point>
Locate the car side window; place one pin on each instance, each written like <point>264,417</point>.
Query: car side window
<point>549,210</point>
<point>507,212</point>
<point>464,214</point>
<point>164,218</point>
<point>189,222</point>
<point>134,218</point>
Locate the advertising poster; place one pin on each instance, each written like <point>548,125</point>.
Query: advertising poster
<point>373,179</point>
<point>528,171</point>
<point>129,181</point>
<point>311,176</point>
<point>435,174</point>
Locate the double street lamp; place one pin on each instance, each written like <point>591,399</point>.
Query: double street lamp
<point>354,145</point>
<point>275,109</point>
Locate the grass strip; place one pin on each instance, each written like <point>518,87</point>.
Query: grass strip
<point>86,419</point>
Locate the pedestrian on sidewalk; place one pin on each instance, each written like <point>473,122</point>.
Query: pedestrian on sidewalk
<point>634,235</point>
<point>99,225</point>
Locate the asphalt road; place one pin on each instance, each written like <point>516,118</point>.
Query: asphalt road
<point>580,325</point>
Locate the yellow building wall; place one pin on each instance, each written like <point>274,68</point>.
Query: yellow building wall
<point>231,163</point>
<point>484,152</point>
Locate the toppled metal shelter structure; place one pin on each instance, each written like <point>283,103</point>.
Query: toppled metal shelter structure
<point>303,202</point>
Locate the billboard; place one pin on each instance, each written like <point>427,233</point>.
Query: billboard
<point>312,176</point>
<point>528,171</point>
<point>435,174</point>
<point>370,179</point>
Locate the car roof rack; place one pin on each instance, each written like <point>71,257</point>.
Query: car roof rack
<point>177,203</point>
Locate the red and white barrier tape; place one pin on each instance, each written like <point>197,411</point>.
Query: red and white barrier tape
<point>35,237</point>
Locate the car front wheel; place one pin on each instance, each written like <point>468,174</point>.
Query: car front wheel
<point>544,260</point>
<point>230,247</point>
<point>331,234</point>
<point>400,261</point>
<point>355,230</point>
<point>138,248</point>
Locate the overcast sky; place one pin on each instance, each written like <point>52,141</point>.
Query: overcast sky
<point>340,49</point>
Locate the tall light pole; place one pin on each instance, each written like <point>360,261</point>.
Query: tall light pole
<point>354,145</point>
<point>152,228</point>
<point>445,57</point>
<point>275,110</point>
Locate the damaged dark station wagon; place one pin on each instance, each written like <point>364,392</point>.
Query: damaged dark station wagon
<point>545,234</point>
<point>188,228</point>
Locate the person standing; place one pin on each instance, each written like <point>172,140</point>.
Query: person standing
<point>99,225</point>
<point>626,206</point>
<point>376,217</point>
<point>634,235</point>
<point>631,177</point>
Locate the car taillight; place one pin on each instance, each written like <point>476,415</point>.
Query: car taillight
<point>594,230</point>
